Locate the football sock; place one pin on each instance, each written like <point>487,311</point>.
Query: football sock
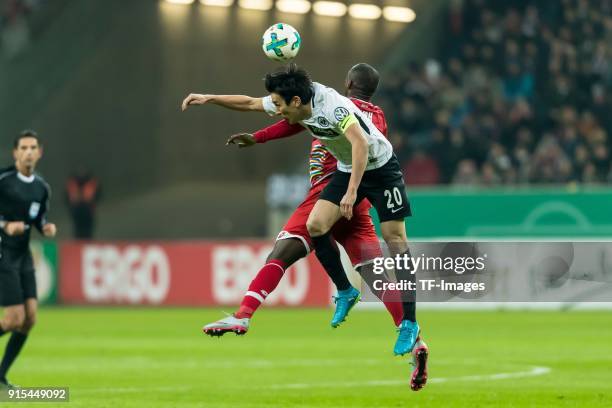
<point>408,299</point>
<point>328,254</point>
<point>392,299</point>
<point>13,347</point>
<point>261,286</point>
<point>396,311</point>
<point>409,311</point>
<point>1,331</point>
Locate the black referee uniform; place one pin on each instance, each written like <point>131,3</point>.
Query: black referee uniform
<point>21,199</point>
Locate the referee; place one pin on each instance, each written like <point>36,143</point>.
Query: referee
<point>24,198</point>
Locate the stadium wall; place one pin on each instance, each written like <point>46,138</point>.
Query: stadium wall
<point>570,212</point>
<point>180,274</point>
<point>208,273</point>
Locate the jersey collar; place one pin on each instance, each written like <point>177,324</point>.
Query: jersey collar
<point>25,179</point>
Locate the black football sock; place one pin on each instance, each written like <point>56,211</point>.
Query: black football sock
<point>2,331</point>
<point>329,256</point>
<point>13,347</point>
<point>409,311</point>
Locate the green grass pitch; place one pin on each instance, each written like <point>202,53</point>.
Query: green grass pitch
<point>292,358</point>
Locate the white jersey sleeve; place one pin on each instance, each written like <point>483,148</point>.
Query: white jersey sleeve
<point>269,106</point>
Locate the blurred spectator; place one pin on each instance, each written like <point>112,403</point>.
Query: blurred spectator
<point>549,163</point>
<point>467,173</point>
<point>520,94</point>
<point>601,161</point>
<point>82,195</point>
<point>489,175</point>
<point>421,169</point>
<point>517,84</point>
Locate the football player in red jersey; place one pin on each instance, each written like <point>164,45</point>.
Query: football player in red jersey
<point>357,235</point>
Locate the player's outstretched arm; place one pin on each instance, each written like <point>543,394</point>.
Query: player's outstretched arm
<point>234,102</point>
<point>359,152</point>
<point>241,140</point>
<point>279,130</point>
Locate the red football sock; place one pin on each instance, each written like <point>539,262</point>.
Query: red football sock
<point>393,303</point>
<point>261,286</point>
<point>396,310</point>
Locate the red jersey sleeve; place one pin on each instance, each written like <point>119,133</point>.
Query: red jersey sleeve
<point>279,130</point>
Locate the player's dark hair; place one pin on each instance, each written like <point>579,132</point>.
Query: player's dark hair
<point>26,133</point>
<point>290,81</point>
<point>364,78</point>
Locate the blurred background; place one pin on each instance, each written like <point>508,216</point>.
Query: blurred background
<point>498,111</point>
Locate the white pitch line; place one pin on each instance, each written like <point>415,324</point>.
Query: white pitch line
<point>533,372</point>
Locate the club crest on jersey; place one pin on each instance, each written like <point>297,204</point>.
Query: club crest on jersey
<point>34,209</point>
<point>322,122</point>
<point>340,113</point>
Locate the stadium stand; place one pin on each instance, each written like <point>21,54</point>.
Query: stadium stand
<point>520,94</point>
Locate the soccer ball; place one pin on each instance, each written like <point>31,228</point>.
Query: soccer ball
<point>281,42</point>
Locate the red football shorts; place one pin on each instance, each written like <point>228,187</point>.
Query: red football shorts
<point>357,236</point>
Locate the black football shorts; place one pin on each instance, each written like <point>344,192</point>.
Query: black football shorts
<point>17,277</point>
<point>383,187</point>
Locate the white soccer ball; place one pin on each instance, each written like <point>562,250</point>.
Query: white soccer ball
<point>281,42</point>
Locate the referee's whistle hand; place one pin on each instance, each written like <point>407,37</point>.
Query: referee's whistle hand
<point>49,230</point>
<point>14,228</point>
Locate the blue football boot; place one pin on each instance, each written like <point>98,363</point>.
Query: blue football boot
<point>345,301</point>
<point>407,336</point>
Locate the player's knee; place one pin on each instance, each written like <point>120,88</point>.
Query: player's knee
<point>13,321</point>
<point>288,251</point>
<point>28,323</point>
<point>277,255</point>
<point>394,237</point>
<point>316,228</point>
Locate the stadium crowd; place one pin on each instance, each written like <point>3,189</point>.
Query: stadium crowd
<point>521,94</point>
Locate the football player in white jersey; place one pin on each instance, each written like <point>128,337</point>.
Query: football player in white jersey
<point>367,168</point>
